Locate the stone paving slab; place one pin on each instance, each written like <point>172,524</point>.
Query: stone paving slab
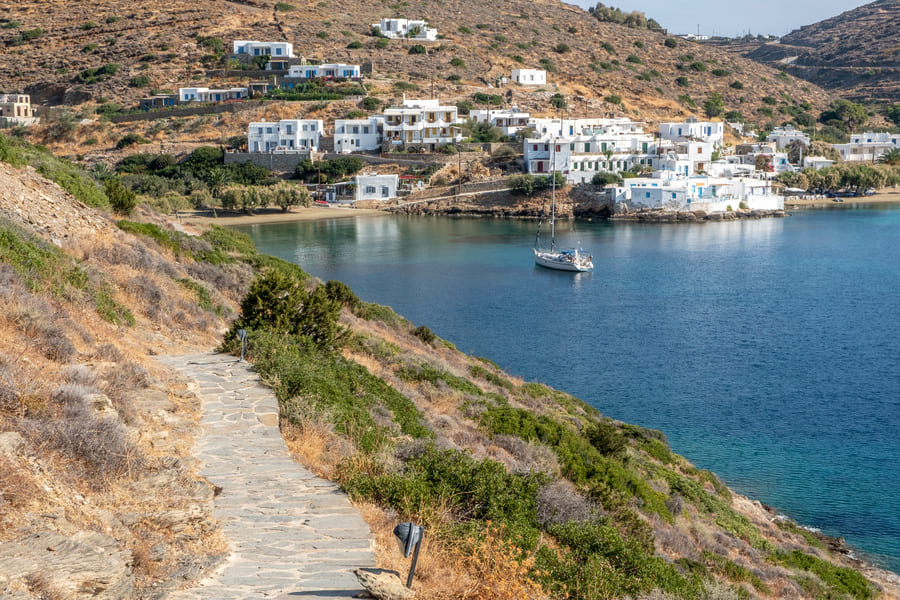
<point>291,535</point>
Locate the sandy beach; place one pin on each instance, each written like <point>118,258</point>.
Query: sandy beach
<point>883,197</point>
<point>276,215</point>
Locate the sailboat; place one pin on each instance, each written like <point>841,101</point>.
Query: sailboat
<point>561,259</point>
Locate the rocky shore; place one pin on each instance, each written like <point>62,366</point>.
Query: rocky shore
<point>666,216</point>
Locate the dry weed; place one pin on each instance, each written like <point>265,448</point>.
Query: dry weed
<point>315,444</point>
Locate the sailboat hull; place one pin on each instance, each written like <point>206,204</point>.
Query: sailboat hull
<point>563,261</point>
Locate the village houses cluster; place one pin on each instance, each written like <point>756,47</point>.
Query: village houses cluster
<point>681,166</point>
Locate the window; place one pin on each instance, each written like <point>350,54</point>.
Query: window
<point>370,189</point>
<point>535,147</point>
<point>571,147</point>
<point>699,150</point>
<point>385,192</point>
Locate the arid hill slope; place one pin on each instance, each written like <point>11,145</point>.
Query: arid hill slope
<point>855,54</point>
<point>480,43</point>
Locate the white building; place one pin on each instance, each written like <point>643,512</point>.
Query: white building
<point>697,193</point>
<point>708,131</point>
<point>817,162</point>
<point>867,147</point>
<point>327,71</point>
<point>404,28</point>
<point>287,136</point>
<point>16,109</point>
<point>544,126</point>
<point>376,187</point>
<point>784,136</point>
<point>529,76</point>
<point>358,135</point>
<point>254,48</point>
<point>579,158</point>
<point>422,122</point>
<point>509,121</point>
<point>202,94</point>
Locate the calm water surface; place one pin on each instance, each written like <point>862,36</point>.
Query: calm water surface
<point>767,351</point>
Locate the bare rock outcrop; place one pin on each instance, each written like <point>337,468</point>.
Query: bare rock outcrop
<point>88,565</point>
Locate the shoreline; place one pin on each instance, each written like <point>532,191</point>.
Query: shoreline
<point>882,197</point>
<point>319,213</point>
<point>267,216</point>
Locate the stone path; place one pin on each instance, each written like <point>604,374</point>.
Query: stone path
<point>291,534</point>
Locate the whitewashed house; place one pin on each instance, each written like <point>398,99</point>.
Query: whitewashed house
<point>509,121</point>
<point>697,193</point>
<point>358,135</point>
<point>708,131</point>
<point>867,147</point>
<point>548,126</point>
<point>16,109</point>
<point>581,157</point>
<point>203,94</point>
<point>327,71</point>
<point>285,136</point>
<point>376,187</point>
<point>255,48</point>
<point>817,162</point>
<point>405,28</point>
<point>422,123</point>
<point>785,136</point>
<point>529,76</point>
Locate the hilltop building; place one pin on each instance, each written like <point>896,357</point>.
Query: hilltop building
<point>16,109</point>
<point>254,48</point>
<point>404,28</point>
<point>326,71</point>
<point>529,76</point>
<point>203,94</point>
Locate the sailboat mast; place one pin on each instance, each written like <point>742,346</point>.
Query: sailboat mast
<point>553,196</point>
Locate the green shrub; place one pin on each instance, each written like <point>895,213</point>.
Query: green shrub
<point>464,29</point>
<point>284,7</point>
<point>698,66</point>
<point>562,48</point>
<point>130,139</point>
<point>843,580</point>
<point>141,81</point>
<point>458,62</point>
<point>382,42</point>
<point>355,45</point>
<point>614,99</point>
<point>121,199</point>
<point>634,59</point>
<point>671,43</point>
<point>548,65</point>
<point>425,334</point>
<point>322,35</point>
<point>417,49</point>
<point>721,72</point>
<point>608,47</point>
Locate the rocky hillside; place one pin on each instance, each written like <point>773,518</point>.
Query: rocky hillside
<point>58,50</point>
<point>855,54</point>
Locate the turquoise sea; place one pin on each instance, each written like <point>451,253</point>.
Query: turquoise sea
<point>768,351</point>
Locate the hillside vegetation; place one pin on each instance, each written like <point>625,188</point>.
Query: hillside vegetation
<point>526,491</point>
<point>111,53</point>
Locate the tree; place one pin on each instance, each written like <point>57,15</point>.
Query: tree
<point>795,150</point>
<point>121,199</point>
<point>558,101</point>
<point>893,113</point>
<point>601,179</point>
<point>891,157</point>
<point>714,105</point>
<point>763,163</point>
<point>846,115</point>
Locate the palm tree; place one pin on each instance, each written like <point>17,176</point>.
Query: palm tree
<point>891,157</point>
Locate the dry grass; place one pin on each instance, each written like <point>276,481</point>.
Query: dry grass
<point>315,445</point>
